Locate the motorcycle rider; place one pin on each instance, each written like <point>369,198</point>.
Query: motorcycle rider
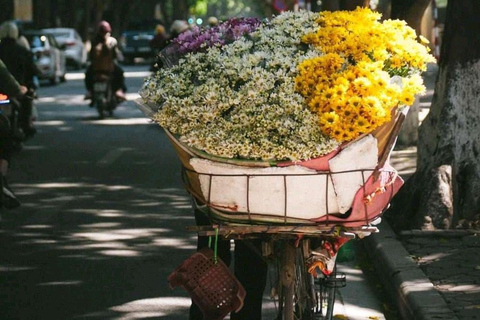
<point>10,87</point>
<point>20,63</point>
<point>103,56</point>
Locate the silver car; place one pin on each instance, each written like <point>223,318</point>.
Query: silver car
<point>70,40</point>
<point>49,57</point>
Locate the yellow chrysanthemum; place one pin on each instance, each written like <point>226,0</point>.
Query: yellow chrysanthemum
<point>353,91</point>
<point>329,119</point>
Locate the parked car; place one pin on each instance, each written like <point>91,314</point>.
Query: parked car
<point>49,57</point>
<point>135,41</point>
<point>75,51</point>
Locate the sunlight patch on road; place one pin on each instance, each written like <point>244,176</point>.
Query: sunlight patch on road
<point>354,312</point>
<point>104,236</point>
<point>50,123</point>
<point>57,185</point>
<point>60,283</point>
<point>113,245</point>
<point>4,268</point>
<point>137,74</point>
<point>46,100</point>
<point>120,234</point>
<point>150,308</point>
<point>101,225</point>
<point>153,307</point>
<point>120,253</point>
<point>128,74</point>
<point>64,185</point>
<point>110,213</point>
<point>178,243</point>
<point>351,273</point>
<point>64,100</point>
<point>147,308</point>
<point>75,76</point>
<point>120,122</point>
<point>37,226</point>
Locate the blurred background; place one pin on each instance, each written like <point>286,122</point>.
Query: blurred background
<point>134,22</point>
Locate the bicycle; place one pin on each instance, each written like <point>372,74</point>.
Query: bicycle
<point>298,294</point>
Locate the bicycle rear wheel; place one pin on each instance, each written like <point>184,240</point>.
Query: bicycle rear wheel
<point>325,290</point>
<point>300,295</point>
<point>296,292</point>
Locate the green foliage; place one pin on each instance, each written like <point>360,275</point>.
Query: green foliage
<point>199,8</point>
<point>225,9</point>
<point>442,3</point>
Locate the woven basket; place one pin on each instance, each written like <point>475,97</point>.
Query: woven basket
<point>212,285</point>
<point>369,198</point>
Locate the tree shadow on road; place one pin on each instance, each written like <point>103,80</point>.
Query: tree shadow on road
<point>101,226</point>
<point>62,259</point>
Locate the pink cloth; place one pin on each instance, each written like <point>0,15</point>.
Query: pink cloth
<point>370,200</point>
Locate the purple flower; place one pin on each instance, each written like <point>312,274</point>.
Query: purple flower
<point>200,39</point>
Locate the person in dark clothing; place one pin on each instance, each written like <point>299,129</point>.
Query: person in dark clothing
<point>8,84</point>
<point>160,39</point>
<point>10,87</point>
<point>157,44</point>
<point>249,268</point>
<point>103,57</point>
<point>20,63</point>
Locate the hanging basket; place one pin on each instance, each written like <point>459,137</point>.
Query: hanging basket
<point>210,283</point>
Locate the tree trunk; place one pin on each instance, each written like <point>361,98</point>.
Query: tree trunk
<point>446,187</point>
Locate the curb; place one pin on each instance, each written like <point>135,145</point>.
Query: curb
<point>413,293</point>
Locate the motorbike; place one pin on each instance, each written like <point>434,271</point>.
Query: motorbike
<point>9,111</point>
<point>12,138</point>
<point>103,98</point>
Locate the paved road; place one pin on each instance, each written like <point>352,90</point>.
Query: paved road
<point>103,219</point>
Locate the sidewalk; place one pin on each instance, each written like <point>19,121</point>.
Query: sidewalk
<point>430,274</point>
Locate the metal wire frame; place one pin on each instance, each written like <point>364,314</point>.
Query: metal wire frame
<point>224,214</point>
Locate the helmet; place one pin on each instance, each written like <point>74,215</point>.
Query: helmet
<point>212,21</point>
<point>104,27</point>
<point>8,29</point>
<point>159,29</point>
<point>179,26</point>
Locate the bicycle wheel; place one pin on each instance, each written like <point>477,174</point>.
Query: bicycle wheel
<point>295,287</point>
<point>326,288</point>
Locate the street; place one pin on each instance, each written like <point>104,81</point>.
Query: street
<point>103,217</point>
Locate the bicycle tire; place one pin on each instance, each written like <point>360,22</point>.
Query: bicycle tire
<point>302,297</point>
<point>296,292</point>
<point>325,297</point>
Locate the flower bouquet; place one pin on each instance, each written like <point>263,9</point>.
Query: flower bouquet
<point>289,120</point>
